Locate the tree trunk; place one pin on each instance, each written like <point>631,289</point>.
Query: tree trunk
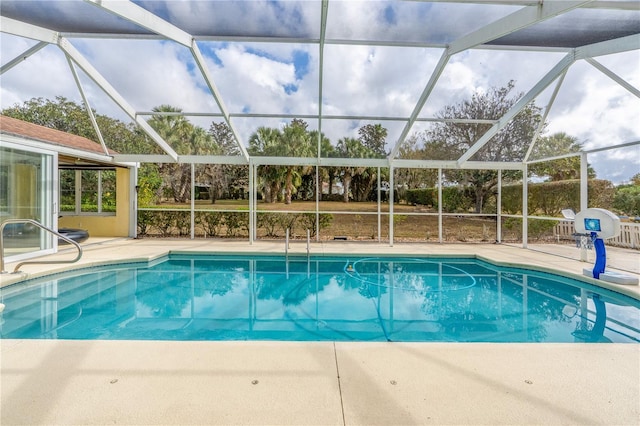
<point>213,194</point>
<point>288,189</point>
<point>267,195</point>
<point>275,188</point>
<point>331,177</point>
<point>346,183</point>
<point>480,192</point>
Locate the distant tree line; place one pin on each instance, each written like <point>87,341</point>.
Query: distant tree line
<point>444,140</point>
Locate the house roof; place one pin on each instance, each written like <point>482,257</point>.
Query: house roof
<point>44,134</point>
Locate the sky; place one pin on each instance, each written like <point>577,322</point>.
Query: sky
<point>283,78</point>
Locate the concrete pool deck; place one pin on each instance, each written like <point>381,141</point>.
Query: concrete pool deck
<point>316,383</point>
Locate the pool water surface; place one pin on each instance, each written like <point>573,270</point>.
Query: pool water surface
<point>214,297</point>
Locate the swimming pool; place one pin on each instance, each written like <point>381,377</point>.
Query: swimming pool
<point>229,297</point>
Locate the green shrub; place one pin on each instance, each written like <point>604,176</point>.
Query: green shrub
<point>549,198</point>
<point>539,228</point>
<point>163,222</point>
<point>308,221</point>
<point>145,219</point>
<point>211,222</point>
<point>423,197</point>
<point>627,200</point>
<point>182,222</point>
<point>456,200</point>
<point>236,222</point>
<point>287,221</point>
<point>268,222</point>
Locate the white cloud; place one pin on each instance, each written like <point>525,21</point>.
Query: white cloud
<point>27,80</point>
<point>369,80</point>
<point>605,113</point>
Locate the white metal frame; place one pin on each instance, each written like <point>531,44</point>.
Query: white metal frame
<point>529,14</point>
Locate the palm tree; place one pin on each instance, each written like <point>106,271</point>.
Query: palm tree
<point>295,142</point>
<point>351,148</point>
<point>264,142</point>
<point>185,139</point>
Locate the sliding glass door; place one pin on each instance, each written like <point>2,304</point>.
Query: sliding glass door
<point>27,191</point>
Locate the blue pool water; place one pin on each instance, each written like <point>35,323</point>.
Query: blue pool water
<point>207,297</point>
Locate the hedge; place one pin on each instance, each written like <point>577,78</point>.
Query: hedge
<point>169,223</point>
<point>549,198</point>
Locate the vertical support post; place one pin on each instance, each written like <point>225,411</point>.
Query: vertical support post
<point>379,224</point>
<point>318,195</point>
<point>193,201</point>
<point>499,209</point>
<point>391,201</point>
<point>584,182</point>
<point>252,202</point>
<point>133,204</point>
<point>584,201</point>
<point>308,241</point>
<point>440,231</point>
<point>525,206</point>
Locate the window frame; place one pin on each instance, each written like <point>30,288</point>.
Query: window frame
<point>78,190</point>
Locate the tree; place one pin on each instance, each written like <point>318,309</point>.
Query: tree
<point>330,173</point>
<point>185,139</point>
<point>627,198</point>
<point>449,140</point>
<point>413,178</point>
<point>63,115</point>
<point>221,178</point>
<point>68,116</point>
<point>351,148</point>
<point>264,142</point>
<point>295,142</point>
<point>373,136</point>
<point>563,168</point>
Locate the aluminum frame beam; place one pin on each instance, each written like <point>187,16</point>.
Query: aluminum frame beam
<point>30,31</point>
<point>87,105</point>
<point>616,45</point>
<point>424,96</point>
<point>320,162</point>
<point>22,57</point>
<point>513,22</point>
<point>140,16</point>
<point>554,73</point>
<point>523,18</point>
<point>23,29</point>
<point>613,76</point>
<point>323,32</point>
<point>92,73</point>
<point>544,115</point>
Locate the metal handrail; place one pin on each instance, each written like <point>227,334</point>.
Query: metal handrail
<point>31,262</point>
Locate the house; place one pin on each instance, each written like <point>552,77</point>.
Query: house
<point>61,181</point>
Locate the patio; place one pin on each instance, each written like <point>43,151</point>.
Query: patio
<point>138,382</point>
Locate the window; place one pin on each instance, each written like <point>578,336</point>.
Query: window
<point>87,192</point>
